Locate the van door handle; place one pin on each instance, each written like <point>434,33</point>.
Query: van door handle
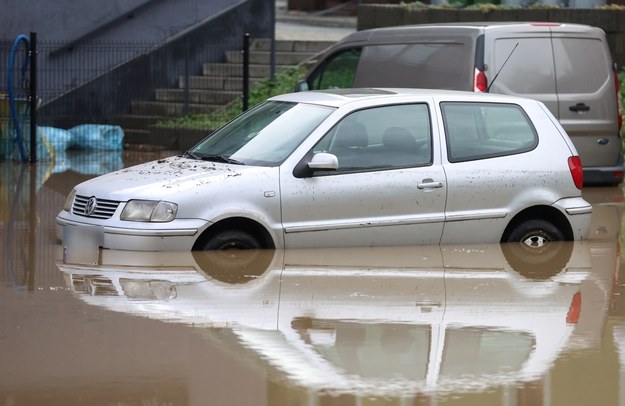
<point>429,184</point>
<point>579,107</point>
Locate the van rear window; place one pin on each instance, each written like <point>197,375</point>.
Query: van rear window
<point>422,65</point>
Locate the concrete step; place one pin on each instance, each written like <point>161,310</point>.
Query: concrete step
<point>219,84</point>
<point>136,121</point>
<point>264,57</point>
<point>264,44</point>
<point>134,136</point>
<point>216,82</point>
<point>236,70</point>
<point>169,109</point>
<point>197,96</point>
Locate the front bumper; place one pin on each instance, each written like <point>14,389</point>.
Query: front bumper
<point>177,235</point>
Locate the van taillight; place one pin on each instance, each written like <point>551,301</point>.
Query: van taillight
<point>480,82</point>
<point>575,309</point>
<point>618,101</point>
<point>577,172</point>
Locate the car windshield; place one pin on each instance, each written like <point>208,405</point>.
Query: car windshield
<point>263,136</point>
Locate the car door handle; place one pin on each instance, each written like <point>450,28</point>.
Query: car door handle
<point>579,107</point>
<point>429,184</point>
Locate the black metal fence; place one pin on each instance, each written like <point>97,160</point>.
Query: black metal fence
<point>127,85</point>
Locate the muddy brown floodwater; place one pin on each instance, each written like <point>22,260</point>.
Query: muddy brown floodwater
<point>449,325</point>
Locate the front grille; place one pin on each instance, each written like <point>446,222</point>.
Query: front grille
<point>104,209</point>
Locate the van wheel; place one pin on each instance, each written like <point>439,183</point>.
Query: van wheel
<point>232,240</point>
<point>534,234</point>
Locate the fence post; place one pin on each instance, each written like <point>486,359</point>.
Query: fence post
<point>33,97</point>
<point>246,71</point>
<point>185,106</point>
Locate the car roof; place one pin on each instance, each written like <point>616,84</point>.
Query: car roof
<point>340,97</point>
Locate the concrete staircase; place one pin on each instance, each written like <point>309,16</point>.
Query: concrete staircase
<point>219,84</point>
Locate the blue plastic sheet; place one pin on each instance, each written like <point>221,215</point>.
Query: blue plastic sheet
<point>53,142</point>
<point>101,137</point>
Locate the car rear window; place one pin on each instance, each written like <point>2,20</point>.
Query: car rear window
<point>434,65</point>
<point>486,130</point>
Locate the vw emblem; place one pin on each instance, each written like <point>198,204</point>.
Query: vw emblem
<point>90,207</point>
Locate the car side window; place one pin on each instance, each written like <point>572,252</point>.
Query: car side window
<point>339,71</point>
<point>380,138</point>
<point>486,130</point>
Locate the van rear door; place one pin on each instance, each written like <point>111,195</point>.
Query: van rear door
<point>587,104</point>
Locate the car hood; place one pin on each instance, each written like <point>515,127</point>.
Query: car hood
<point>161,178</point>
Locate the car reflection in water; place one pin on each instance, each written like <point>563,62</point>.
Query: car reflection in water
<point>395,321</point>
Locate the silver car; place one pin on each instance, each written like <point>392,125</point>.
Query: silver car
<point>350,167</point>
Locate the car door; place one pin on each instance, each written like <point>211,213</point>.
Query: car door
<point>494,168</point>
<point>388,188</point>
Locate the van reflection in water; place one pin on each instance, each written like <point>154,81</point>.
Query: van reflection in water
<point>400,321</point>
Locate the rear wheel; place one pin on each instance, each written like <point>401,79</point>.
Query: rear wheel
<point>535,234</point>
<point>232,240</point>
<point>530,251</point>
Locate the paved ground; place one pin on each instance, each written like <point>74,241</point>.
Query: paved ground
<point>294,25</point>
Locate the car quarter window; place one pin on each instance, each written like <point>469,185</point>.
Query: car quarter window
<point>486,130</point>
<point>380,138</point>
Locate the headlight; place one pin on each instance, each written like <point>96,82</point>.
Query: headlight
<point>149,210</point>
<point>69,201</point>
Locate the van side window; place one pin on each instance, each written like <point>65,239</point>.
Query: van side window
<point>339,71</point>
<point>486,130</point>
<point>440,65</point>
<point>380,138</point>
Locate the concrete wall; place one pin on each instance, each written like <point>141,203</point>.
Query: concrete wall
<point>611,21</point>
<point>105,20</point>
<point>182,34</point>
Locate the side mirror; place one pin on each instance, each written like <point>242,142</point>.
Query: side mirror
<point>324,162</point>
<point>301,86</point>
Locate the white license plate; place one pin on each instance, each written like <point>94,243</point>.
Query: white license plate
<point>81,245</point>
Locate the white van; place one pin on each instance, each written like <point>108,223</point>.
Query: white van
<point>566,66</point>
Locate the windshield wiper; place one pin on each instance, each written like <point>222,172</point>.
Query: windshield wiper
<point>221,158</point>
<point>191,155</point>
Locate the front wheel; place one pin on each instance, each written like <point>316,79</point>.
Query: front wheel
<point>535,234</point>
<point>232,240</point>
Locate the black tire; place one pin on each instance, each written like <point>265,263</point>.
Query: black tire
<point>535,234</point>
<point>232,240</point>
